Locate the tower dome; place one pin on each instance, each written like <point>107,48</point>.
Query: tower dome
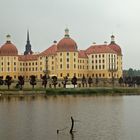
<point>115,46</point>
<point>66,44</point>
<point>8,49</point>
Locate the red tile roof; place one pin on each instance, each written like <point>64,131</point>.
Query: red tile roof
<point>99,49</point>
<point>28,57</point>
<point>50,51</point>
<point>82,54</point>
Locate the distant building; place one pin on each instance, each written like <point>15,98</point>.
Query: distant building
<point>62,59</point>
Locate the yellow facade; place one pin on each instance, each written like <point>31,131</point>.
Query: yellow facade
<point>65,62</point>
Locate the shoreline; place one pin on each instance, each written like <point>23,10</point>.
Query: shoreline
<point>72,91</point>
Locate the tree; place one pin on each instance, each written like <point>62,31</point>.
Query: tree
<point>21,81</point>
<point>83,81</point>
<point>54,81</point>
<point>90,81</point>
<point>96,81</point>
<point>44,80</point>
<point>8,81</point>
<point>1,80</point>
<point>74,81</point>
<point>130,72</point>
<point>33,80</point>
<point>64,82</point>
<point>120,81</point>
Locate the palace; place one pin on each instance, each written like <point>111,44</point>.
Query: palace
<point>62,59</point>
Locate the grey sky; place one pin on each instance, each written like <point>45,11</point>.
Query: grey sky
<point>88,20</point>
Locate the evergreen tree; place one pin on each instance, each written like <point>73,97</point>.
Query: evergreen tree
<point>54,81</point>
<point>8,81</point>
<point>44,80</point>
<point>83,80</point>
<point>21,81</point>
<point>33,80</point>
<point>64,82</point>
<point>74,81</point>
<point>90,81</point>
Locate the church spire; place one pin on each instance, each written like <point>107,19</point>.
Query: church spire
<point>28,40</point>
<point>28,46</point>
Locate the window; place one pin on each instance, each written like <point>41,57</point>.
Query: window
<point>99,56</point>
<point>40,63</point>
<point>103,60</point>
<point>40,58</point>
<point>99,66</point>
<point>74,66</point>
<point>92,75</point>
<point>67,54</point>
<point>8,63</point>
<point>74,60</point>
<point>103,75</point>
<point>102,55</point>
<point>68,74</point>
<point>96,67</point>
<point>92,61</point>
<point>52,62</point>
<point>61,74</point>
<point>60,66</point>
<point>99,61</point>
<point>74,54</point>
<point>100,75</point>
<point>32,69</point>
<point>14,63</point>
<point>96,56</point>
<point>52,57</point>
<point>8,69</point>
<point>2,63</point>
<point>60,54</point>
<point>60,59</point>
<point>103,66</point>
<point>29,64</point>
<point>67,66</point>
<point>92,56</point>
<point>52,68</point>
<point>67,59</point>
<point>92,67</point>
<point>14,68</point>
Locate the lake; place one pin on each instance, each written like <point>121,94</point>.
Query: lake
<point>96,118</point>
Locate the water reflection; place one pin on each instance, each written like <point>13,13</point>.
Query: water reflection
<point>100,117</point>
<point>72,136</point>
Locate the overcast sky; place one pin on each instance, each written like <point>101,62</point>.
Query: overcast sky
<point>88,21</point>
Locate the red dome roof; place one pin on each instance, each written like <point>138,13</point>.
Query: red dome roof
<point>116,48</point>
<point>8,49</point>
<point>67,44</point>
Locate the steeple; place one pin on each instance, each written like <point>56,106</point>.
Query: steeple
<point>28,40</point>
<point>28,45</point>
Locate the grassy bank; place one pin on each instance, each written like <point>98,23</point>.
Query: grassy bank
<point>73,91</point>
<point>94,91</point>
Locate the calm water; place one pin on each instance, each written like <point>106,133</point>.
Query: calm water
<point>98,118</point>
